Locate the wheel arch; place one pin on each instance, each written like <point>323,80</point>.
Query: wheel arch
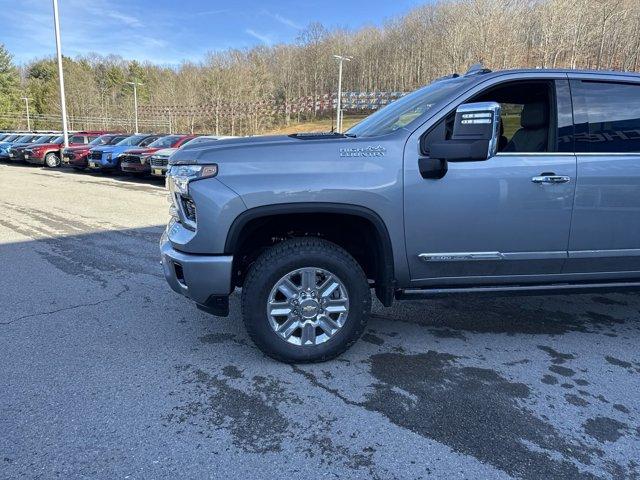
<point>250,219</point>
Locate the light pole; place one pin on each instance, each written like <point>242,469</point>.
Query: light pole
<point>63,104</point>
<point>340,58</point>
<point>135,101</point>
<point>26,101</point>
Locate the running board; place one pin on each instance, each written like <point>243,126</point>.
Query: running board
<point>515,290</point>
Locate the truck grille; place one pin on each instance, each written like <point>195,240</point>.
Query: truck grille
<point>159,162</point>
<point>130,159</point>
<point>95,155</point>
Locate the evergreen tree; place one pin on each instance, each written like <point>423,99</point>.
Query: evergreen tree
<point>9,86</point>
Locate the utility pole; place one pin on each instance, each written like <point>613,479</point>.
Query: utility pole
<point>63,103</point>
<point>340,58</point>
<point>135,101</point>
<point>26,101</point>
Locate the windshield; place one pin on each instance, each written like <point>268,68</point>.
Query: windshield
<point>24,139</point>
<point>102,140</point>
<point>11,138</point>
<point>165,142</point>
<point>132,140</point>
<point>195,141</point>
<point>43,139</point>
<point>403,112</point>
<point>116,140</point>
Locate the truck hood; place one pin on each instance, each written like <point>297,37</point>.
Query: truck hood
<point>165,152</point>
<point>113,148</point>
<point>257,147</point>
<point>79,148</point>
<point>45,145</point>
<point>142,151</point>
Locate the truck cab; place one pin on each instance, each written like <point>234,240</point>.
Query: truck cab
<point>521,181</point>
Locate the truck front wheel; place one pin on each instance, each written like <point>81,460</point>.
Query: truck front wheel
<point>305,300</point>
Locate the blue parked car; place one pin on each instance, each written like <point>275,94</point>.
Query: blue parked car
<point>106,157</point>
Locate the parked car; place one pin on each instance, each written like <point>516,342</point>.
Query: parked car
<point>77,157</point>
<point>50,153</point>
<point>160,159</point>
<point>16,152</point>
<point>425,197</point>
<point>6,143</point>
<point>135,160</point>
<point>21,141</point>
<point>108,157</point>
<point>11,138</point>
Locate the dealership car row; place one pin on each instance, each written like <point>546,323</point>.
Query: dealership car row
<point>101,151</point>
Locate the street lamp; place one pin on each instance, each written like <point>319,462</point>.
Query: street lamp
<point>26,101</point>
<point>135,101</point>
<point>340,58</point>
<point>63,104</point>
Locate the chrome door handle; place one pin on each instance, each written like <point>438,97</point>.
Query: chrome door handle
<point>544,178</point>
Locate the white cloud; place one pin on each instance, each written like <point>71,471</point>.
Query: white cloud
<point>128,20</point>
<point>285,21</point>
<point>266,39</point>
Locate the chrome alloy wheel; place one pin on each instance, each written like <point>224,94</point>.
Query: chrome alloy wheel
<point>308,306</point>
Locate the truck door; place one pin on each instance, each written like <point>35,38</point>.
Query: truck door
<point>605,230</point>
<point>501,220</point>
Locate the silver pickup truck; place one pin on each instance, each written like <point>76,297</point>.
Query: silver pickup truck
<point>523,181</point>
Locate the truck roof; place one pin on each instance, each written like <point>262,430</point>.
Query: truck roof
<point>482,73</point>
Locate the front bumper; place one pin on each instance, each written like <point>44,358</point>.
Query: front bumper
<point>201,278</point>
<point>102,163</point>
<point>30,158</point>
<point>75,160</point>
<point>135,167</point>
<point>12,157</point>
<point>159,171</point>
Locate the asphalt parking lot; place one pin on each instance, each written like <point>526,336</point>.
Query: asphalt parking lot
<point>106,373</point>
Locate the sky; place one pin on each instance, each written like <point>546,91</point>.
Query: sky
<point>168,32</point>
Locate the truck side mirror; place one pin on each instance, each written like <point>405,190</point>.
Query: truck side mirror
<point>476,132</point>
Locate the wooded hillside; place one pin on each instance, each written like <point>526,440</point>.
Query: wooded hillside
<point>251,91</point>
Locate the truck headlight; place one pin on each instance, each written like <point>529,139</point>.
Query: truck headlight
<point>179,176</point>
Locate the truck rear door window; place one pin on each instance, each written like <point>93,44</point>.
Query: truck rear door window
<point>607,116</point>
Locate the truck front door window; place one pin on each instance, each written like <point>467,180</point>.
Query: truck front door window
<point>527,116</point>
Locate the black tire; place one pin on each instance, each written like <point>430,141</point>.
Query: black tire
<point>51,160</point>
<point>286,257</point>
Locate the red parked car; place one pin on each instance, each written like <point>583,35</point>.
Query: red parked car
<point>135,161</point>
<point>50,154</point>
<point>78,157</point>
